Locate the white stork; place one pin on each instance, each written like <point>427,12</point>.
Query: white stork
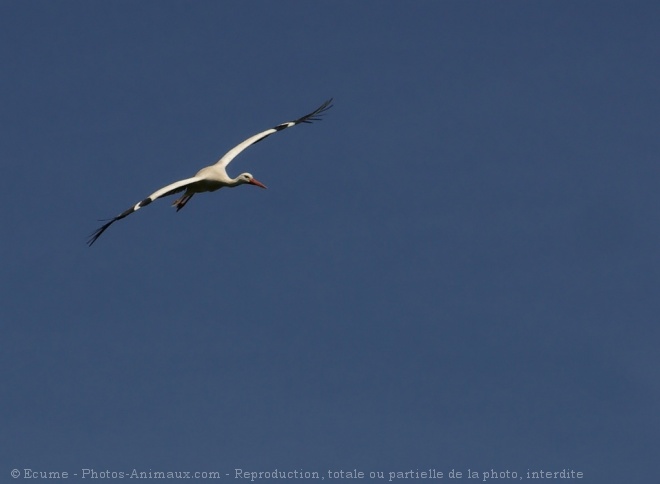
<point>214,177</point>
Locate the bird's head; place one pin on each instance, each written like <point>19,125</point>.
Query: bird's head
<point>249,179</point>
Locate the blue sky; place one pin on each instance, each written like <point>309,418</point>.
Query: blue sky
<point>457,268</point>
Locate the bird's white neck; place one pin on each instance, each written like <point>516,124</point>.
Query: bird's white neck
<point>234,182</point>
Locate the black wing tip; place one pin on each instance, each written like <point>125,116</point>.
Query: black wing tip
<point>96,234</point>
<point>317,114</point>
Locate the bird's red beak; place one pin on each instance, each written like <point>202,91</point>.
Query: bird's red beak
<point>258,183</point>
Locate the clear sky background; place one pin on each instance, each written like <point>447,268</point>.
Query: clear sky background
<point>457,268</point>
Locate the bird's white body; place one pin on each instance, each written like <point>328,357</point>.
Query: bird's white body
<point>214,177</point>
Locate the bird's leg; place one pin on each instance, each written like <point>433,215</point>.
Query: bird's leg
<point>181,202</point>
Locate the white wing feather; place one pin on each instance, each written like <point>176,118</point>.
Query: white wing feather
<point>308,118</point>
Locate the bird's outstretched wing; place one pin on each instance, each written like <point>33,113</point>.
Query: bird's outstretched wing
<point>308,118</point>
<point>170,189</point>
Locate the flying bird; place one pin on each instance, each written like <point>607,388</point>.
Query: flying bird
<point>214,177</point>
